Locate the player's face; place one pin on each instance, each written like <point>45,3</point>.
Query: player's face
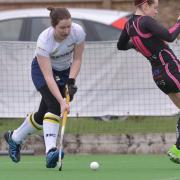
<point>62,29</point>
<point>152,10</point>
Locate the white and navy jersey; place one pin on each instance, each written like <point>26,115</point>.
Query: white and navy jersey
<point>60,53</point>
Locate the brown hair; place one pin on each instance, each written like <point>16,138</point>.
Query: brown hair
<point>58,14</point>
<point>141,2</point>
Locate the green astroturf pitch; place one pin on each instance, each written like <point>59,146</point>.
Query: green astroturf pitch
<point>76,167</point>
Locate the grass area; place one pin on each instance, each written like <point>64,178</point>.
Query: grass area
<point>113,126</point>
<point>129,125</point>
<point>76,167</point>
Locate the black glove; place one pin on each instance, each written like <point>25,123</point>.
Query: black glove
<point>72,88</point>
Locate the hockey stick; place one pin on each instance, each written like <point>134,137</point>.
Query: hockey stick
<point>62,130</point>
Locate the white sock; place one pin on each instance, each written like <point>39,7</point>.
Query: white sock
<point>28,127</point>
<point>51,129</point>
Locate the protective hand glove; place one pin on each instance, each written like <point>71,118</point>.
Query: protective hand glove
<point>72,88</point>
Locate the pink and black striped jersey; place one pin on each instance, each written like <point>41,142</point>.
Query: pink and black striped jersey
<point>148,37</point>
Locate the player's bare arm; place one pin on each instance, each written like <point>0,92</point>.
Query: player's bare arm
<point>45,66</point>
<point>77,60</point>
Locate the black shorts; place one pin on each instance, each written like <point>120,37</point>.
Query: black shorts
<point>167,77</point>
<point>61,77</point>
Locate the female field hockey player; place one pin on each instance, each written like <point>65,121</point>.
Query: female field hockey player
<point>143,33</point>
<point>57,62</point>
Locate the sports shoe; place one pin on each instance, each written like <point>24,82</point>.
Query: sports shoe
<point>174,154</point>
<point>14,148</point>
<point>52,157</point>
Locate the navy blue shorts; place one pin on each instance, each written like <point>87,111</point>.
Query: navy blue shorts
<point>61,77</point>
<point>167,77</point>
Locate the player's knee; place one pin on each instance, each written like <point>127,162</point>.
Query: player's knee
<point>54,108</point>
<point>50,117</point>
<point>38,117</point>
<point>37,125</point>
<point>175,97</point>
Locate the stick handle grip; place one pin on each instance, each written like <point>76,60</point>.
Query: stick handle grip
<point>67,101</point>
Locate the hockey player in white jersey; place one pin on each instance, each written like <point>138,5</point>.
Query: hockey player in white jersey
<point>57,62</point>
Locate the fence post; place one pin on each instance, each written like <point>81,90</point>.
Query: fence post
<point>106,4</point>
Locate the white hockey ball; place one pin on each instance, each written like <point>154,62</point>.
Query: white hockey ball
<point>94,165</point>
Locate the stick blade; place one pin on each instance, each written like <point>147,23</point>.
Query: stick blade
<point>60,166</point>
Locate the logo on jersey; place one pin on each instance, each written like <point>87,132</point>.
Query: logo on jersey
<point>62,55</point>
<point>40,48</point>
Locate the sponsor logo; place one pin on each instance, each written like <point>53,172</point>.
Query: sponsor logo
<point>50,135</point>
<point>62,55</point>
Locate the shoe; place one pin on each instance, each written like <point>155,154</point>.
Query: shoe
<point>174,154</point>
<point>52,157</point>
<point>14,148</point>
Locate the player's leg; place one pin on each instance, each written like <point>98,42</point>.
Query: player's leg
<point>51,127</point>
<point>168,82</point>
<point>31,124</point>
<point>175,97</point>
<point>15,138</point>
<point>174,151</point>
